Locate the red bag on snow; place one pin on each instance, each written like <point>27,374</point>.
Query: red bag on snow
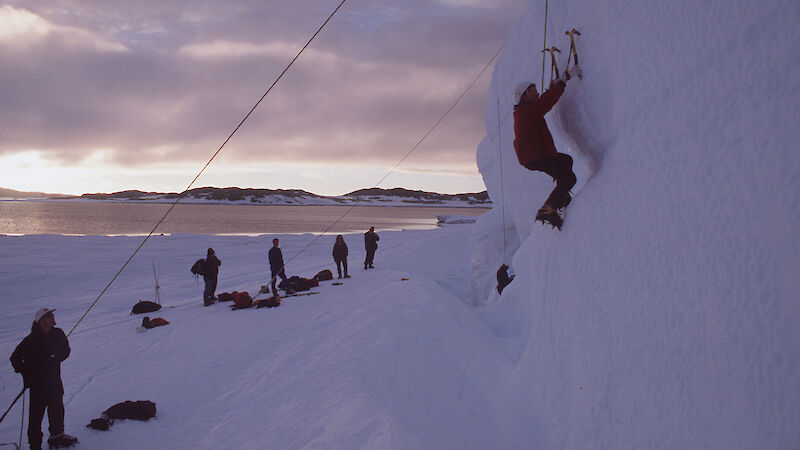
<point>242,299</point>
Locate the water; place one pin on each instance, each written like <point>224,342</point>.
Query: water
<point>108,218</point>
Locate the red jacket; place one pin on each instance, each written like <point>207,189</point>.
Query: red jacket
<point>533,140</point>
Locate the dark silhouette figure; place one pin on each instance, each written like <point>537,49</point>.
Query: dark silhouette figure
<point>38,358</point>
<point>370,244</point>
<point>340,255</point>
<point>276,265</point>
<point>210,273</point>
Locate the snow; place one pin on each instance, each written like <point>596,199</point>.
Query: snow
<point>375,362</point>
<point>663,315</point>
<point>665,312</point>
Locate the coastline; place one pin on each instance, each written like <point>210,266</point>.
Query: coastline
<point>396,203</point>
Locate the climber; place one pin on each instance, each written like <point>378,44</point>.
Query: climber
<point>534,144</point>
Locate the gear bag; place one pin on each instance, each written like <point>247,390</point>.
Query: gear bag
<point>324,275</point>
<point>296,283</point>
<point>242,300</point>
<point>198,266</point>
<point>138,410</point>
<point>145,307</point>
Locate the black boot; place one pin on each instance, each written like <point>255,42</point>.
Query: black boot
<point>62,440</point>
<point>546,214</point>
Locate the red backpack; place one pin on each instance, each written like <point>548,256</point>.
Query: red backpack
<point>242,299</point>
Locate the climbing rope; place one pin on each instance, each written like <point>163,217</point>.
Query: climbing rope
<point>544,45</point>
<point>174,204</point>
<point>502,187</point>
<point>436,124</point>
<point>177,200</point>
<point>22,422</point>
<point>419,142</point>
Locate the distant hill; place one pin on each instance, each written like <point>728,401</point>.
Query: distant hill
<point>421,196</point>
<point>366,197</point>
<point>11,193</point>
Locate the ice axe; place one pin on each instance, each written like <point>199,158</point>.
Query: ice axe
<point>553,64</point>
<point>572,49</point>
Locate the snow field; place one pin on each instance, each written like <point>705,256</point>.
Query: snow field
<point>377,362</point>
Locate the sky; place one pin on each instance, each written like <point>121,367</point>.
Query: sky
<point>101,96</point>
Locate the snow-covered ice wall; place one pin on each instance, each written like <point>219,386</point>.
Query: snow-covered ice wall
<point>666,313</point>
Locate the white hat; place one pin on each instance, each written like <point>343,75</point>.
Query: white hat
<point>519,90</point>
<point>42,312</point>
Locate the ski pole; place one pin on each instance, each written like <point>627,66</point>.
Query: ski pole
<point>12,404</point>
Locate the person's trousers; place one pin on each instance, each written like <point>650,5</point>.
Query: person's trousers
<point>211,287</point>
<point>560,168</point>
<point>275,275</point>
<point>55,415</point>
<point>370,257</point>
<point>339,264</point>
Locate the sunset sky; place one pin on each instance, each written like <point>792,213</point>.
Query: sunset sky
<point>101,96</point>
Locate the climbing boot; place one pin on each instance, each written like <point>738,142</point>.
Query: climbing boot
<point>61,441</point>
<point>546,214</point>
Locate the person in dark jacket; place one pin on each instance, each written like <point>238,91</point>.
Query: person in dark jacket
<point>210,273</point>
<point>38,358</point>
<point>534,145</point>
<point>370,244</point>
<point>340,255</point>
<point>276,265</point>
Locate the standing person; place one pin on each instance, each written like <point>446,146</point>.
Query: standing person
<point>340,255</point>
<point>276,264</point>
<point>210,272</point>
<point>38,358</point>
<point>534,144</point>
<point>371,244</point>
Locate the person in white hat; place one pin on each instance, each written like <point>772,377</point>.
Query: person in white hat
<point>38,358</point>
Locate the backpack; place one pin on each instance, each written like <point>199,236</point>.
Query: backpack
<point>152,323</point>
<point>145,307</point>
<point>225,297</point>
<point>138,410</point>
<point>242,300</point>
<point>199,266</point>
<point>295,283</point>
<point>270,302</point>
<point>324,275</point>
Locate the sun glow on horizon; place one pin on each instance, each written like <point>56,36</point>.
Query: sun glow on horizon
<point>33,171</point>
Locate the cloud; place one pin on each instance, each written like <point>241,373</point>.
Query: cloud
<point>233,50</point>
<point>167,84</point>
<point>21,28</point>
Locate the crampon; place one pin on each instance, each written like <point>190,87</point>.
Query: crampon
<point>546,214</point>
